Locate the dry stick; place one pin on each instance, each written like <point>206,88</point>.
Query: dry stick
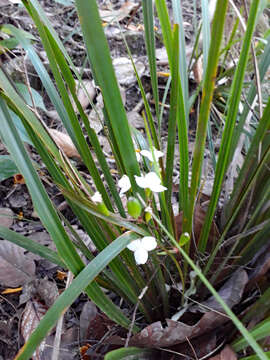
<point>29,87</point>
<point>191,358</point>
<point>212,352</point>
<point>192,348</point>
<point>242,21</point>
<point>176,353</point>
<point>57,339</point>
<point>134,314</point>
<point>134,12</point>
<point>137,305</point>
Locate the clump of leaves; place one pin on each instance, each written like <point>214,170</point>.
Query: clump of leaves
<point>184,252</point>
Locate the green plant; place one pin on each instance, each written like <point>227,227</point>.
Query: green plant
<point>152,233</point>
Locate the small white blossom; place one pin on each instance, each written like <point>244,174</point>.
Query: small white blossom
<point>97,198</point>
<point>157,154</point>
<point>148,209</point>
<point>150,181</point>
<point>140,247</point>
<point>124,184</point>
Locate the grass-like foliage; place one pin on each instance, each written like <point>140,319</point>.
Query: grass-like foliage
<point>141,246</point>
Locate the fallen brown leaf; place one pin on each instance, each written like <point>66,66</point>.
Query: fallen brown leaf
<point>6,217</point>
<point>117,15</point>
<point>176,332</point>
<point>33,313</point>
<point>15,267</point>
<point>93,324</point>
<point>83,97</point>
<point>42,289</point>
<point>198,70</point>
<point>65,143</point>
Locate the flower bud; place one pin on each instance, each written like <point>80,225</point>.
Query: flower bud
<point>103,209</point>
<point>134,207</point>
<point>147,216</point>
<point>184,238</point>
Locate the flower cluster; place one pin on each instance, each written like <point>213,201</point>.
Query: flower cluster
<point>150,181</point>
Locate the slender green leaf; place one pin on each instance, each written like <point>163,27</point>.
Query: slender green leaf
<point>71,123</point>
<point>251,160</point>
<point>8,167</point>
<point>174,101</point>
<point>81,282</point>
<point>178,19</point>
<point>181,112</point>
<point>242,199</point>
<point>99,56</point>
<point>263,66</point>
<point>164,19</point>
<point>150,47</point>
<point>255,357</point>
<point>39,196</point>
<point>260,331</point>
<point>260,308</point>
<point>126,353</point>
<point>228,131</point>
<point>44,77</point>
<point>218,298</point>
<point>206,34</point>
<point>49,217</point>
<point>85,204</point>
<point>37,98</point>
<point>207,95</point>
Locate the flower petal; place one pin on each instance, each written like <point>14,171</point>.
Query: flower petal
<point>124,184</point>
<point>150,181</point>
<point>157,188</point>
<point>138,156</point>
<point>135,245</point>
<point>149,243</point>
<point>141,182</point>
<point>154,182</point>
<point>148,209</point>
<point>141,256</point>
<point>152,178</point>
<point>97,198</point>
<point>148,154</point>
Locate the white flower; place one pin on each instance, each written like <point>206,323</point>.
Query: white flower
<point>97,198</point>
<point>150,181</point>
<point>157,154</point>
<point>140,247</point>
<point>124,184</point>
<point>148,209</point>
